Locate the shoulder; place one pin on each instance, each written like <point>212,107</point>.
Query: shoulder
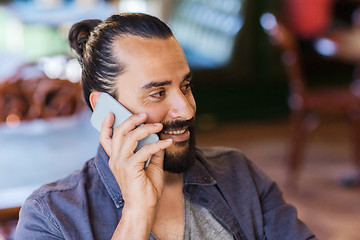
<point>222,157</point>
<point>66,191</point>
<point>43,212</point>
<point>229,164</point>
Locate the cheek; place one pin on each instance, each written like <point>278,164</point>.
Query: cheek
<point>156,114</point>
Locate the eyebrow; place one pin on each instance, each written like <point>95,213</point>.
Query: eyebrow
<point>165,83</point>
<point>156,84</point>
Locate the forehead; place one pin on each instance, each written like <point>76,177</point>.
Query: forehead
<point>151,58</point>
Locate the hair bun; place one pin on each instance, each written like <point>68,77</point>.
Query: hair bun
<point>79,34</point>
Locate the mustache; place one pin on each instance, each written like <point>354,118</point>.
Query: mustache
<point>177,124</point>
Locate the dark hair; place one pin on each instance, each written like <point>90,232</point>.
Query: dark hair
<point>93,39</point>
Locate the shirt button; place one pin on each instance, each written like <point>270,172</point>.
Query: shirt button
<point>207,180</point>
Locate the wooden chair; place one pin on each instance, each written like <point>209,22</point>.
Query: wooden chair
<point>309,104</point>
<point>8,221</point>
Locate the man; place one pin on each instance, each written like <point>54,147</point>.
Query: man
<point>185,193</point>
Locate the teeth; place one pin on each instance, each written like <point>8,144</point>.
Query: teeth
<point>177,132</point>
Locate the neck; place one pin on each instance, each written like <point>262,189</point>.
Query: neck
<point>172,179</point>
<point>169,217</point>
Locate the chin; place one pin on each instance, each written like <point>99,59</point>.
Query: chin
<point>179,146</point>
<point>180,156</point>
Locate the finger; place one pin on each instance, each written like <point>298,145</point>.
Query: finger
<point>155,171</point>
<point>123,129</point>
<point>133,137</point>
<point>107,132</point>
<point>147,151</point>
<point>130,124</point>
<point>157,159</point>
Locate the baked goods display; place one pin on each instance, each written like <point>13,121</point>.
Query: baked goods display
<point>40,97</point>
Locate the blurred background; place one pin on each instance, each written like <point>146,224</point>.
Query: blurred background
<point>277,79</point>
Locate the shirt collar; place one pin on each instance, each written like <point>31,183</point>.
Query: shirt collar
<point>198,174</point>
<point>107,177</point>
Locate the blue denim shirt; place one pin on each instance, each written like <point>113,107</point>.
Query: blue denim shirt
<point>88,203</point>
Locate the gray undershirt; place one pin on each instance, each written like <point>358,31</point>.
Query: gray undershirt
<point>200,224</point>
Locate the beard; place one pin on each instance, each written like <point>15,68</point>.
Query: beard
<point>180,161</point>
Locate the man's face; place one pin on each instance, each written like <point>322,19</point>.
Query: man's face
<point>156,81</point>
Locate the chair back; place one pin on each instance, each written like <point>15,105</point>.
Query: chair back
<point>280,36</point>
<point>8,221</point>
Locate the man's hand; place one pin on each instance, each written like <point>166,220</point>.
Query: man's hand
<point>141,189</point>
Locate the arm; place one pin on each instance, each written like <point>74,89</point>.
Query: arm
<point>134,224</point>
<point>141,189</point>
<point>280,219</point>
<point>34,223</point>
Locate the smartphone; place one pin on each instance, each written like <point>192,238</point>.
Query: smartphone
<point>105,104</point>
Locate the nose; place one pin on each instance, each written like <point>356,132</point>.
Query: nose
<point>182,107</point>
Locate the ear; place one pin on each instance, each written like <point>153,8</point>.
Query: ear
<point>93,98</point>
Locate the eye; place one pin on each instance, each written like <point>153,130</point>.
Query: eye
<point>158,94</point>
<point>186,87</point>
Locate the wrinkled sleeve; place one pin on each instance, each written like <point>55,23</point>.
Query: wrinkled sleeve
<point>280,219</point>
<point>35,222</point>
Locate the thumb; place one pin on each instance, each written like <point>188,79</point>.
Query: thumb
<point>155,151</point>
<point>157,159</point>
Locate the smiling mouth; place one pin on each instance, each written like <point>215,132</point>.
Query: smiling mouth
<point>175,132</point>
